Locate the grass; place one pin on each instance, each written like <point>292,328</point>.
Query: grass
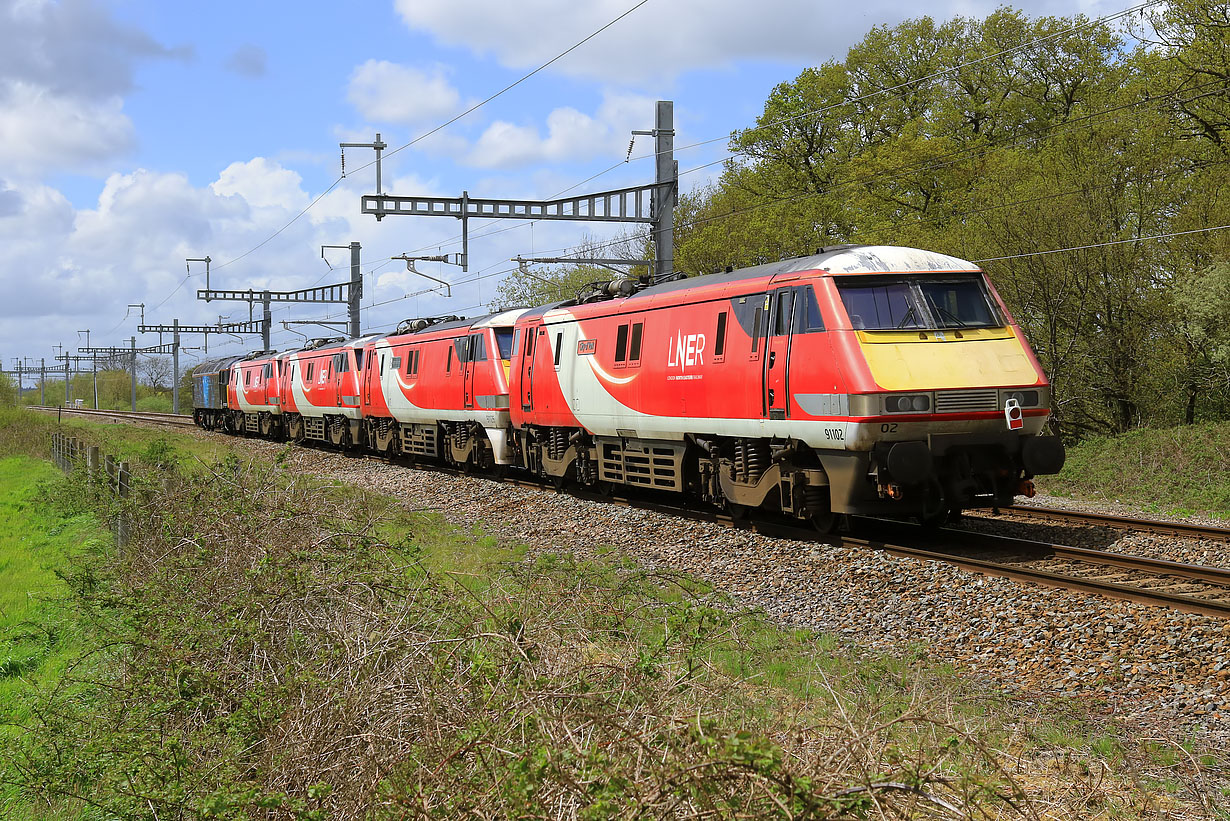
<point>1181,470</point>
<point>37,640</point>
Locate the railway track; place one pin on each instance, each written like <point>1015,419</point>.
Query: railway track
<point>1189,588</point>
<point>171,419</point>
<point>1157,582</point>
<point>1075,517</point>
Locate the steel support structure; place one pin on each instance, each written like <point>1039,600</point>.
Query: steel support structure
<point>652,204</point>
<point>131,352</point>
<point>347,293</point>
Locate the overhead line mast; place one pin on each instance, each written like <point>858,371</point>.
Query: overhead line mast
<point>652,204</point>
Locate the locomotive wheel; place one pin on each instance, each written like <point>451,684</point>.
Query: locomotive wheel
<point>826,522</point>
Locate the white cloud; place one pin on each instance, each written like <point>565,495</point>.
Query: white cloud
<point>64,68</point>
<point>385,92</point>
<point>662,39</point>
<point>570,135</point>
<point>41,131</point>
<point>262,184</point>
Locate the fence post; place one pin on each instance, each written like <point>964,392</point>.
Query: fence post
<point>91,464</point>
<point>123,487</point>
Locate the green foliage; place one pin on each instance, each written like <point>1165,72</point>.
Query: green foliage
<point>996,138</point>
<point>1179,469</point>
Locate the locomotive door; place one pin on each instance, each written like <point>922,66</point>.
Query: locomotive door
<point>339,376</point>
<point>527,367</point>
<point>472,347</point>
<point>376,360</point>
<point>776,370</point>
<point>271,382</point>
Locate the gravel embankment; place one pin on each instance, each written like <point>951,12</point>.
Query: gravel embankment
<point>1164,670</point>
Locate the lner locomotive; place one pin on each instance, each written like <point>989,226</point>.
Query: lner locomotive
<point>871,380</point>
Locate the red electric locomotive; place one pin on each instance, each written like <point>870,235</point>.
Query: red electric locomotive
<point>870,380</point>
<point>439,387</point>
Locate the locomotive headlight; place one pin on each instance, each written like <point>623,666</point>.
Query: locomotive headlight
<point>1024,398</point>
<point>907,403</point>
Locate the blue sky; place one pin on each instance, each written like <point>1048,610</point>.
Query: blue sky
<point>134,134</point>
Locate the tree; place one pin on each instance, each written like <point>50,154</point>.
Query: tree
<point>156,371</point>
<point>561,282</point>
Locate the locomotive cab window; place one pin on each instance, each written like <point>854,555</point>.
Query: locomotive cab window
<point>926,302</point>
<point>505,339</point>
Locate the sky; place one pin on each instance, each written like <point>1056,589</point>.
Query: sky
<point>135,134</point>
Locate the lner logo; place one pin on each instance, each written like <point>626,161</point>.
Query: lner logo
<point>686,351</point>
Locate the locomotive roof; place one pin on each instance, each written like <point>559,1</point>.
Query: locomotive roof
<point>216,365</point>
<point>838,259</point>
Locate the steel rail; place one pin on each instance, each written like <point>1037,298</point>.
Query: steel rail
<point>1121,522</point>
<point>1046,578</point>
<point>176,419</point>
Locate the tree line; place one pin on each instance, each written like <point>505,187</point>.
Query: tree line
<point>1083,164</point>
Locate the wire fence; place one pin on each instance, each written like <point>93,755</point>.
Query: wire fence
<point>102,471</point>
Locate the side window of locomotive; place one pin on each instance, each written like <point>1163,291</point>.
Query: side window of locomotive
<point>358,359</point>
<point>621,346</point>
<point>785,305</point>
<point>634,350</point>
<point>462,345</point>
<point>268,370</point>
<point>311,368</point>
<point>516,343</point>
<point>448,367</point>
<point>478,348</point>
<point>719,339</point>
<point>807,317</point>
<point>247,378</point>
<point>559,347</point>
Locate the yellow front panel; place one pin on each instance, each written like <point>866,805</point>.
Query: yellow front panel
<point>902,361</point>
